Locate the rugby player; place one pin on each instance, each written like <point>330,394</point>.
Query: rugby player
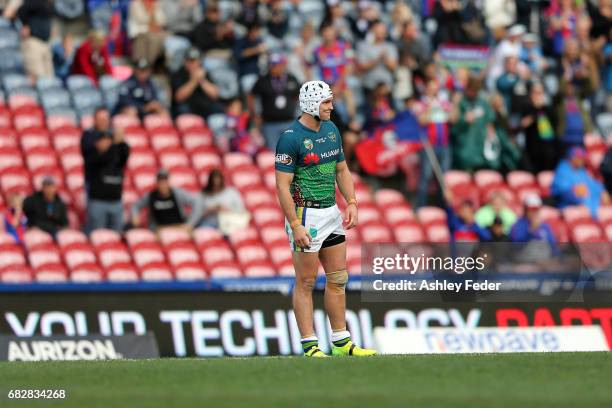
<point>309,161</point>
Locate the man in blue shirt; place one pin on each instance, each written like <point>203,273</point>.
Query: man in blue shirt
<point>530,228</point>
<point>138,95</point>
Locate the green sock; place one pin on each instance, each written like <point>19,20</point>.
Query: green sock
<point>341,342</point>
<point>309,343</point>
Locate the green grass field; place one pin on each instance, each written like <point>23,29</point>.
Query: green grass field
<point>488,381</point>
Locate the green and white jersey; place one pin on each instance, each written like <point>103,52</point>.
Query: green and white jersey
<point>312,157</point>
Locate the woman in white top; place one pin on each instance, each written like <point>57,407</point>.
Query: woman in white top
<point>217,198</point>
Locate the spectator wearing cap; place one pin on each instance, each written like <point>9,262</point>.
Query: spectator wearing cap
<point>104,169</point>
<point>247,51</point>
<point>531,54</point>
<point>497,230</point>
<point>573,185</point>
<point>145,28</point>
<point>92,58</point>
<point>138,95</point>
<point>35,17</point>
<point>378,59</point>
<point>217,197</point>
<point>168,206</point>
<point>496,209</point>
<point>45,209</point>
<point>192,89</point>
<point>530,228</point>
<point>509,46</point>
<point>278,93</point>
<point>15,220</point>
<point>212,33</point>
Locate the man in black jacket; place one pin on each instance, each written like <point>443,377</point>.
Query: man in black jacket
<point>104,168</point>
<point>45,209</point>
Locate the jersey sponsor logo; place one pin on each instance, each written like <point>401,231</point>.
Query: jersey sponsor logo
<point>283,158</point>
<point>311,158</point>
<point>330,153</point>
<point>308,144</point>
<point>313,232</point>
<point>332,136</point>
<point>321,140</point>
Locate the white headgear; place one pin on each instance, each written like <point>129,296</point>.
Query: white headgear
<point>312,93</point>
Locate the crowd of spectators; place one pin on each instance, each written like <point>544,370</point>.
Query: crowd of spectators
<point>541,77</point>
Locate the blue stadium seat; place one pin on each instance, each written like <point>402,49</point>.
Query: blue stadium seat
<point>14,81</point>
<point>23,90</point>
<point>86,101</point>
<point>66,112</point>
<point>9,38</point>
<point>109,86</point>
<point>227,81</point>
<point>77,83</point>
<point>55,98</point>
<point>216,122</point>
<point>604,123</point>
<point>47,84</point>
<point>11,60</point>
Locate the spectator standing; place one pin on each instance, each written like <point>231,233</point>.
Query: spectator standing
<point>212,33</point>
<point>101,125</point>
<point>168,206</point>
<point>277,92</point>
<point>434,114</point>
<point>447,14</point>
<point>377,59</point>
<point>513,84</point>
<point>278,19</point>
<point>45,209</point>
<point>105,168</point>
<point>508,47</point>
<point>537,119</point>
<point>414,47</point>
<point>573,185</point>
<point>138,95</point>
<point>217,197</point>
<point>35,16</point>
<point>15,220</point>
<point>145,28</point>
<point>247,51</point>
<point>192,89</point>
<point>92,58</point>
<point>573,118</point>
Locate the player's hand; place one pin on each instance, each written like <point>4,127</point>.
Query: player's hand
<point>301,237</point>
<point>350,217</point>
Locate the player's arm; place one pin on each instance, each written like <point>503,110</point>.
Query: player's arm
<point>347,189</point>
<point>300,236</point>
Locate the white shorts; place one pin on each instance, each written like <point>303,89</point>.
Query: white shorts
<point>320,223</point>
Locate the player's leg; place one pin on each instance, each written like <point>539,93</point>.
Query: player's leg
<point>306,267</point>
<point>333,259</point>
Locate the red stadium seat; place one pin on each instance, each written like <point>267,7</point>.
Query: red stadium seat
<point>273,233</point>
<point>138,236</point>
<point>279,253</point>
<point>518,179</point>
<point>175,157</point>
<point>549,213</point>
<point>409,232</point>
<point>398,213</point>
<point>587,232</point>
<point>260,270</point>
<point>576,213</point>
<point>156,121</point>
<point>75,180</point>
<point>559,229</point>
<point>190,272</point>
<point>265,160</point>
<point>87,273</point>
<point>122,121</point>
<point>51,273</point>
<point>269,177</point>
<point>148,254</point>
<point>264,215</point>
<point>456,177</point>
<point>604,214</point>
<point>431,215</point>
<point>363,196</point>
<point>185,178</point>
<point>174,235</point>
<point>525,191</point>
<point>36,238</point>
<point>286,268</point>
<point>256,196</point>
<point>206,236</point>
<point>77,255</point>
<point>375,232</point>
<point>246,178</point>
<point>156,272</point>
<point>122,272</point>
<point>44,256</point>
<point>17,101</point>
<point>141,157</point>
<point>68,237</point>
<point>608,232</point>
<point>8,139</point>
<point>164,138</point>
<point>182,254</point>
<point>113,255</point>
<point>216,254</point>
<point>545,179</point>
<point>369,213</point>
<point>437,233</point>
<point>58,121</point>
<point>34,138</point>
<point>226,270</point>
<point>386,197</point>
<point>205,159</point>
<point>250,253</point>
<point>188,121</point>
<point>487,179</point>
<point>10,158</point>
<point>196,138</point>
<point>233,160</point>
<point>353,251</point>
<point>12,255</point>
<point>16,274</point>
<point>25,121</point>
<point>136,137</point>
<point>15,181</point>
<point>104,237</point>
<point>354,267</point>
<point>41,158</point>
<point>71,161</point>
